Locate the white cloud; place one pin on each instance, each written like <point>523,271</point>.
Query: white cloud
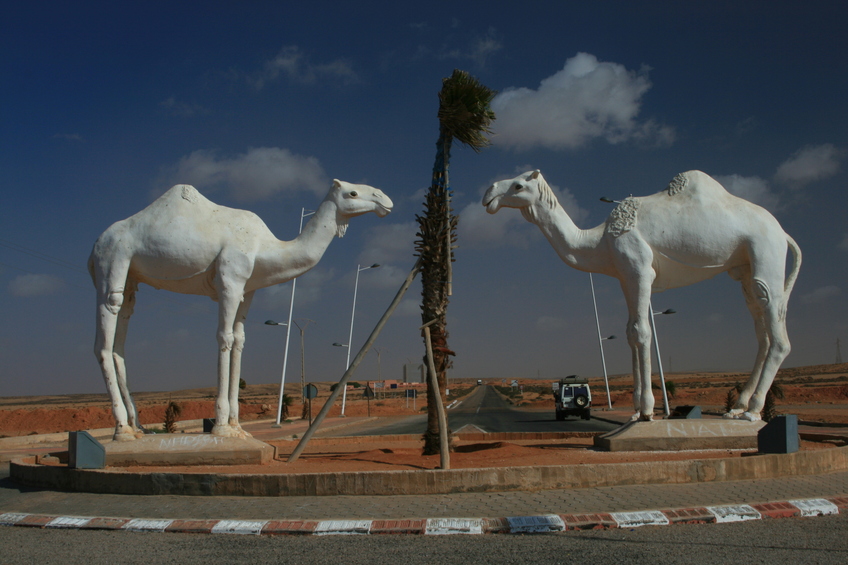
<point>844,243</point>
<point>810,164</point>
<point>820,295</point>
<point>293,64</point>
<point>480,50</point>
<point>35,285</point>
<point>386,243</point>
<point>308,290</point>
<point>182,109</point>
<point>408,307</point>
<point>587,99</point>
<point>752,189</point>
<point>256,175</point>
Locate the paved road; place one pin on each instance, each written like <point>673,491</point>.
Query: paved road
<point>487,410</point>
<point>819,540</point>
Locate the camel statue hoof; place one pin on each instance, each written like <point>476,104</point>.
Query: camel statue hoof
<point>635,417</point>
<point>646,417</point>
<point>240,432</point>
<point>124,433</point>
<point>750,416</point>
<point>226,431</point>
<point>734,414</point>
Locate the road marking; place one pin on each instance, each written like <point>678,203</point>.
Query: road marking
<point>815,507</point>
<point>67,522</point>
<point>239,527</point>
<point>327,527</point>
<point>140,525</point>
<point>737,513</point>
<point>636,519</point>
<point>535,524</point>
<point>442,526</point>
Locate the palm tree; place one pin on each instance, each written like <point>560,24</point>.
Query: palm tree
<point>464,115</point>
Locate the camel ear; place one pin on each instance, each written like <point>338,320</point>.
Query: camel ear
<point>535,174</point>
<point>336,183</point>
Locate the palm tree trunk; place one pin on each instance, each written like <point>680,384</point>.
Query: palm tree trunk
<point>437,233</point>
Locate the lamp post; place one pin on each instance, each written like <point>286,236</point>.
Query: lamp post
<point>302,325</point>
<point>303,214</point>
<point>601,342</point>
<point>283,380</point>
<point>659,359</point>
<point>359,269</point>
<point>379,352</point>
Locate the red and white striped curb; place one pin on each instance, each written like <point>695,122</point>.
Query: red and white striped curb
<point>436,526</point>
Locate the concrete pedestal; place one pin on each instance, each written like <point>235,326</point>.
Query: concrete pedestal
<point>188,449</point>
<point>676,435</point>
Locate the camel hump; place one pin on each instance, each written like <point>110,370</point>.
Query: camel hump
<point>692,183</point>
<point>184,192</point>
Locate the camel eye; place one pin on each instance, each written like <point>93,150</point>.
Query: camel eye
<point>518,187</point>
<point>354,194</point>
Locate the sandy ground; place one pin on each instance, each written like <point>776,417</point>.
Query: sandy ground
<point>815,394</point>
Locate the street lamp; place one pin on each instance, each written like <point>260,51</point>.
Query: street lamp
<point>303,214</point>
<point>379,352</point>
<point>659,359</point>
<point>283,379</point>
<point>359,269</point>
<point>601,342</point>
<point>302,325</point>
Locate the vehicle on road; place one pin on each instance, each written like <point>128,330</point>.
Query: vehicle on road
<point>573,397</point>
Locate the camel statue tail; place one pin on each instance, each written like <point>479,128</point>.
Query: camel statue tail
<point>91,268</point>
<point>793,274</point>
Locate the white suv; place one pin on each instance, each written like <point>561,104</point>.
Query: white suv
<point>573,397</point>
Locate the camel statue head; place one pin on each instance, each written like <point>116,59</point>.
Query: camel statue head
<point>522,192</point>
<point>353,200</point>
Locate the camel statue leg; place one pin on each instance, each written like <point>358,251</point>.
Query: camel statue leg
<point>774,321</point>
<point>235,363</point>
<point>766,288</point>
<point>638,298</point>
<point>126,311</point>
<point>763,342</point>
<point>230,299</point>
<point>110,298</point>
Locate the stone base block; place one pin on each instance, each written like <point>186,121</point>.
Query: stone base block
<point>188,449</point>
<point>677,435</point>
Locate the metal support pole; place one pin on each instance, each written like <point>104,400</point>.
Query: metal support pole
<point>659,362</point>
<point>375,333</point>
<point>303,214</point>
<point>444,448</point>
<point>600,342</point>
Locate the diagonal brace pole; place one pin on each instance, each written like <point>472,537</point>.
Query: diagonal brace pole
<point>352,368</point>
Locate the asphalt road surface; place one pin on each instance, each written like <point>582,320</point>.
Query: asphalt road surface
<point>487,410</point>
<point>819,540</point>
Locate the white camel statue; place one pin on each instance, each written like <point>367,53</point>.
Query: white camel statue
<point>185,243</point>
<point>687,233</point>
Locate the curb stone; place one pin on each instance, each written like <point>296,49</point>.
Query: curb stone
<point>445,526</point>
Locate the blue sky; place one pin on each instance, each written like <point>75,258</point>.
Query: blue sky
<point>261,104</point>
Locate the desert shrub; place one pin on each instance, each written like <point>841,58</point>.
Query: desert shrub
<point>730,400</point>
<point>172,412</point>
<point>774,394</point>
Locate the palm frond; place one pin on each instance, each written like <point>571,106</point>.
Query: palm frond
<point>464,109</point>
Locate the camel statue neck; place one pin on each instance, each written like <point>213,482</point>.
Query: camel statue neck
<point>289,259</point>
<point>575,246</point>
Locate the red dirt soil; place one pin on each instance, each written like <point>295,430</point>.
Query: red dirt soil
<point>816,393</point>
